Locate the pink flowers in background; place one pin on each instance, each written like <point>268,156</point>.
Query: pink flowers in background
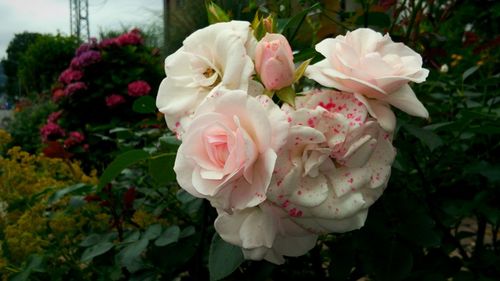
<point>51,131</point>
<point>85,59</point>
<point>70,75</point>
<point>279,176</point>
<point>73,139</point>
<point>138,88</point>
<point>132,37</point>
<point>114,100</point>
<point>274,61</point>
<point>54,117</point>
<point>74,87</point>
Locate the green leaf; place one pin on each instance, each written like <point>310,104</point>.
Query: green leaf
<point>184,196</point>
<point>96,250</point>
<point>469,72</point>
<point>144,104</point>
<point>215,13</point>
<point>170,142</point>
<point>287,95</point>
<point>169,236</point>
<point>292,25</point>
<point>35,264</point>
<point>77,188</point>
<point>223,258</point>
<point>152,232</point>
<point>161,168</point>
<point>121,162</point>
<point>427,137</point>
<point>130,254</point>
<point>132,236</point>
<point>487,170</point>
<point>299,72</point>
<point>188,231</point>
<point>90,240</point>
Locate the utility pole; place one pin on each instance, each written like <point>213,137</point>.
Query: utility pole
<point>79,19</point>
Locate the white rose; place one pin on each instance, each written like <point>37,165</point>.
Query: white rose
<point>217,56</point>
<point>265,232</point>
<point>375,69</point>
<point>336,163</point>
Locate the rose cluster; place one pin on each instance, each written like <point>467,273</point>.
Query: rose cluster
<point>279,176</point>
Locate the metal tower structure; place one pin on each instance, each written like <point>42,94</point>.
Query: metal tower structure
<point>79,19</point>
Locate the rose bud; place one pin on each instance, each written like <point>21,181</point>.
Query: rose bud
<point>274,61</point>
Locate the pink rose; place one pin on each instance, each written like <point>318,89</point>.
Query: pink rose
<point>114,100</point>
<point>274,61</point>
<point>229,150</point>
<point>265,232</point>
<point>375,69</point>
<point>138,88</point>
<point>336,163</point>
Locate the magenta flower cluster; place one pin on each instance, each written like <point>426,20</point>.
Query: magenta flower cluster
<point>114,100</point>
<point>74,87</point>
<point>74,138</point>
<point>132,37</point>
<point>51,131</point>
<point>85,59</point>
<point>70,75</point>
<point>138,88</point>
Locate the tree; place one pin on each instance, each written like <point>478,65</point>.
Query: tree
<point>16,48</point>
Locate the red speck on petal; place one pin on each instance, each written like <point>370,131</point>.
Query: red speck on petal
<point>299,192</point>
<point>310,122</point>
<point>351,180</point>
<point>295,213</point>
<point>330,105</point>
<point>285,204</point>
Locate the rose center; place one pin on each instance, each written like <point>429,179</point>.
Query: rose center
<point>217,149</point>
<point>208,72</point>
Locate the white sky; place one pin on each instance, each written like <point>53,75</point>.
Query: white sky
<point>52,16</point>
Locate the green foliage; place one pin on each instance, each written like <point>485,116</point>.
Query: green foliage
<point>223,259</point>
<point>25,126</point>
<point>42,62</point>
<point>17,46</point>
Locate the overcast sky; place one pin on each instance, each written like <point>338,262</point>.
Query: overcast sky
<point>52,16</point>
